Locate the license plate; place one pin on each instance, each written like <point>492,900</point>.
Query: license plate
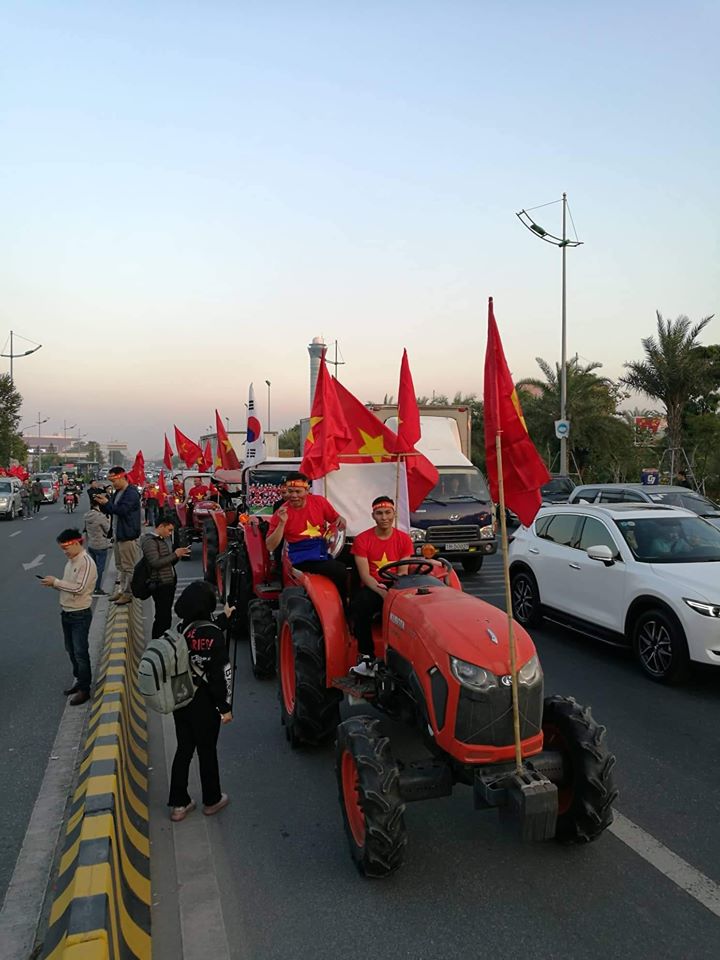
<point>456,546</point>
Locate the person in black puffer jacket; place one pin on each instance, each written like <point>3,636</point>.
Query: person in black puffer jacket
<point>198,724</point>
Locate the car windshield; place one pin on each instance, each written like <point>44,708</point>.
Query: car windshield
<point>46,483</point>
<point>671,539</point>
<point>5,486</point>
<point>690,501</point>
<point>461,484</point>
<point>557,485</point>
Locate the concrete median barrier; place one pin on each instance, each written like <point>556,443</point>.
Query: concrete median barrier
<point>101,900</point>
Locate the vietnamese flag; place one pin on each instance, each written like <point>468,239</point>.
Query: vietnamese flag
<point>206,464</point>
<point>162,489</point>
<point>522,468</point>
<point>136,475</point>
<point>227,455</point>
<point>189,452</point>
<point>373,442</point>
<point>408,432</point>
<point>167,457</point>
<point>329,433</point>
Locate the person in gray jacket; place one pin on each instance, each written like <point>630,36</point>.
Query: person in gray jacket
<point>161,558</point>
<point>97,528</point>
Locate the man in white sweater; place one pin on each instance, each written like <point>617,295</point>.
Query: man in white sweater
<point>76,588</point>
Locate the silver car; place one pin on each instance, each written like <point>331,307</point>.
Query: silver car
<point>639,493</point>
<point>10,499</point>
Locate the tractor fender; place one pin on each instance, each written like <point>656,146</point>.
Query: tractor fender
<point>328,606</point>
<point>220,521</point>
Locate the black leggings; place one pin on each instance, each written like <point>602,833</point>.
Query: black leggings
<point>332,569</point>
<point>197,727</point>
<point>163,595</point>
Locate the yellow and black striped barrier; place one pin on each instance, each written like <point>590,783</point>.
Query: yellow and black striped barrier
<point>101,905</point>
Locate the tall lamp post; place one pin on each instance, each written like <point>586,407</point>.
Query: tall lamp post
<point>12,354</point>
<point>39,423</point>
<point>268,417</point>
<point>562,242</point>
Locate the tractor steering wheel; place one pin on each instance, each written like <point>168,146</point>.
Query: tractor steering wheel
<point>387,575</point>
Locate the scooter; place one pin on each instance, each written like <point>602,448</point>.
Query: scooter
<point>70,500</point>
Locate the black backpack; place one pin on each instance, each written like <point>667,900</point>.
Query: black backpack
<point>142,580</point>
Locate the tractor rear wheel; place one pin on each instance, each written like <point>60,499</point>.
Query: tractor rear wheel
<point>310,711</point>
<point>210,550</point>
<point>369,786</point>
<point>587,791</point>
<point>261,634</point>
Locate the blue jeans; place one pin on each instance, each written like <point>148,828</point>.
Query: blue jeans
<point>76,627</point>
<point>100,557</point>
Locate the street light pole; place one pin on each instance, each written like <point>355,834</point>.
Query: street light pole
<point>12,355</point>
<point>268,416</point>
<point>562,242</point>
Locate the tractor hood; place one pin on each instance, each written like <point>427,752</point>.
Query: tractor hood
<point>459,625</point>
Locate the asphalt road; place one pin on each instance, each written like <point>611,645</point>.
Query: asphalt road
<point>34,669</point>
<point>468,887</point>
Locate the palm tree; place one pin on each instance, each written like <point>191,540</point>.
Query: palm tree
<point>672,370</point>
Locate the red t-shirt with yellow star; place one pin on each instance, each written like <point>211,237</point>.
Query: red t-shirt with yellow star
<point>198,492</point>
<point>379,552</point>
<point>305,528</point>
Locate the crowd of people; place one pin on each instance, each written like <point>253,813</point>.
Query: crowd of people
<point>300,524</point>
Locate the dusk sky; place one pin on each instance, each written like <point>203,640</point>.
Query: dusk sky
<point>192,191</point>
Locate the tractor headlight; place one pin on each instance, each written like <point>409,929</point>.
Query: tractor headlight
<point>472,676</point>
<point>530,672</point>
<point>417,534</point>
<point>706,609</point>
<point>487,533</point>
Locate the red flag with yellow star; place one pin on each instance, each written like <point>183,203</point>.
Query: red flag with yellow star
<point>328,434</point>
<point>523,470</point>
<point>136,474</point>
<point>226,453</point>
<point>373,442</point>
<point>206,464</point>
<point>167,456</point>
<point>408,413</point>
<point>188,451</point>
<point>162,489</point>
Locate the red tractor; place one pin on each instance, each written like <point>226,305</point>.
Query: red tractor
<point>444,667</point>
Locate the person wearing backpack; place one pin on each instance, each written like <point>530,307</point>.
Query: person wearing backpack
<point>161,559</point>
<point>197,725</point>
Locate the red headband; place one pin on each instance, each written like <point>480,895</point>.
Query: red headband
<point>66,543</point>
<point>384,503</point>
<point>301,484</point>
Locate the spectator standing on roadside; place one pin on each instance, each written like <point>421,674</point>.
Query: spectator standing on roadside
<point>36,496</point>
<point>124,507</point>
<point>161,558</point>
<point>197,725</point>
<point>76,587</point>
<point>152,504</point>
<point>97,528</point>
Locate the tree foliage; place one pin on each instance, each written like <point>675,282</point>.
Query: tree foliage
<point>290,439</point>
<point>11,442</point>
<point>674,371</point>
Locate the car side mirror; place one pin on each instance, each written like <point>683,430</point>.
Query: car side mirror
<point>602,553</point>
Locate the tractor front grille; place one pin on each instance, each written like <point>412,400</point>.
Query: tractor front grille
<point>455,534</point>
<point>486,718</point>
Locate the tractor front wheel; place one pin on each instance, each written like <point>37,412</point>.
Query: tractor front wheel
<point>369,787</point>
<point>261,633</point>
<point>310,710</point>
<point>587,790</point>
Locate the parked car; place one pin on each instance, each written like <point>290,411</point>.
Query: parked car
<point>557,489</point>
<point>639,493</point>
<point>51,492</point>
<point>642,575</point>
<point>10,500</point>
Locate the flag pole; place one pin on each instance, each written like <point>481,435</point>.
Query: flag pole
<point>508,604</point>
<point>397,488</point>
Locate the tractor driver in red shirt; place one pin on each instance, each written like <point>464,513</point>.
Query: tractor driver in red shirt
<point>198,491</point>
<point>372,549</point>
<point>302,522</point>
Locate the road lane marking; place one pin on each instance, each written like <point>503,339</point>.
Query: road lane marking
<point>16,534</point>
<point>34,563</point>
<point>700,887</point>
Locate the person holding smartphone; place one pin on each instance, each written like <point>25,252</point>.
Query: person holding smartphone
<point>76,593</point>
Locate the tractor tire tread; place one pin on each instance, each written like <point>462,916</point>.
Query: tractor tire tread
<point>261,628</point>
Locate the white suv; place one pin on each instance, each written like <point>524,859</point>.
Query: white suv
<point>10,499</point>
<point>646,576</point>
